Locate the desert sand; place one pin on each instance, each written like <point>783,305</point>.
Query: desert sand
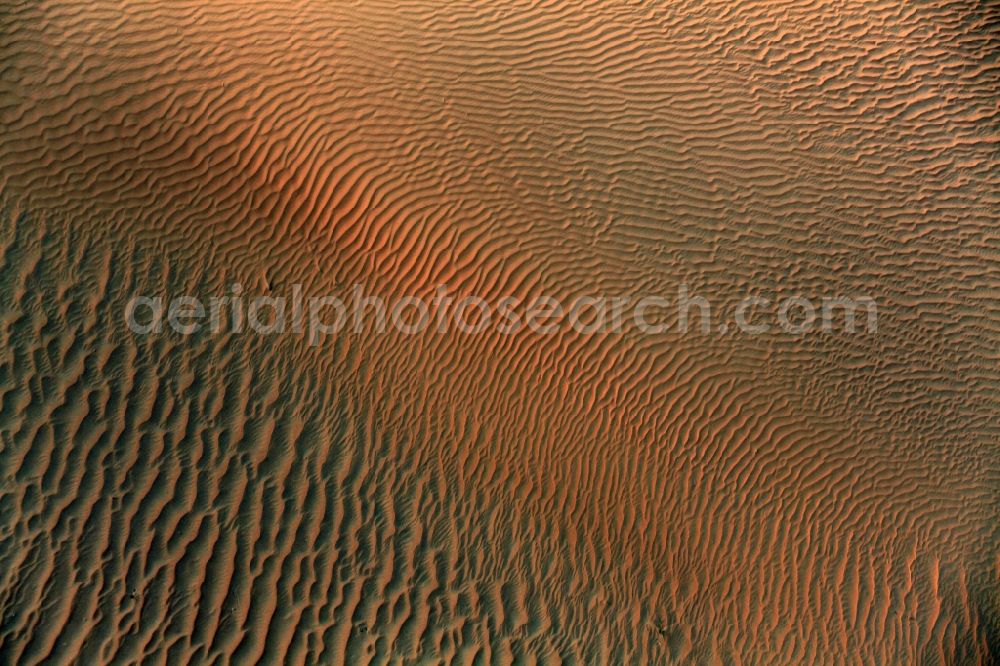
<point>774,499</point>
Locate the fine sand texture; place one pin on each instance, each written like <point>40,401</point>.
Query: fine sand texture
<point>615,498</point>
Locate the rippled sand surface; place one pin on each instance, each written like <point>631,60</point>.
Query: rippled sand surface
<point>622,499</point>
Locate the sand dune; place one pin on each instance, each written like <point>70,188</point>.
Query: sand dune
<point>610,498</point>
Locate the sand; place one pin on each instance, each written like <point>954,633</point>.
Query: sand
<point>829,498</point>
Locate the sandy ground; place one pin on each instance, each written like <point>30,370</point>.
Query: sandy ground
<point>773,499</point>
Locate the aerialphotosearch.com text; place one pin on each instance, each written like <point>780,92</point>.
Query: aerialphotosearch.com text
<point>319,316</point>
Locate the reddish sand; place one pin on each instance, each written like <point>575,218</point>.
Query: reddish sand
<point>831,498</point>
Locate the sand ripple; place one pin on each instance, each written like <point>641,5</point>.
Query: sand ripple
<point>619,499</point>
